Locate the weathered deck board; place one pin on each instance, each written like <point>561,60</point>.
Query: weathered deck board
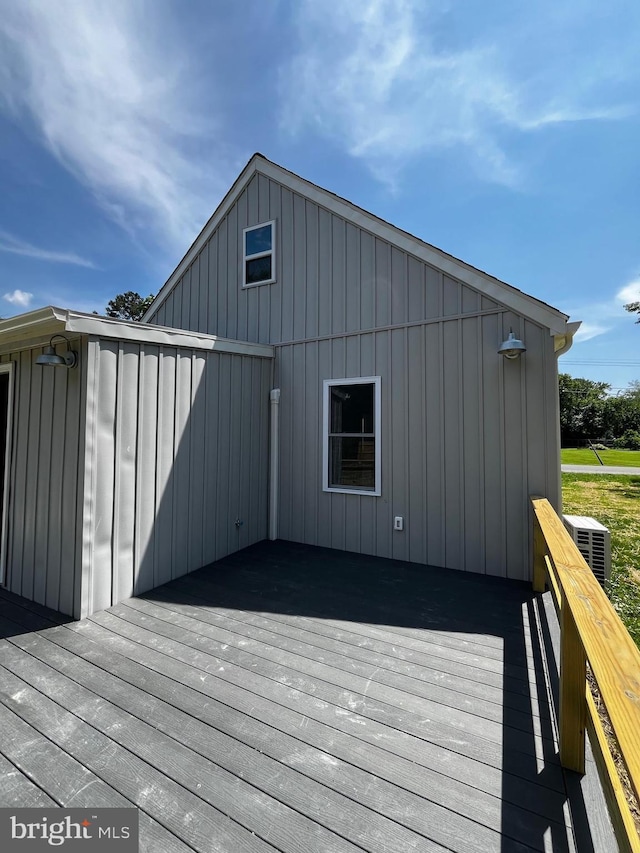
<point>362,634</point>
<point>296,699</point>
<point>154,792</point>
<point>315,804</point>
<point>300,710</point>
<point>388,669</point>
<point>423,740</point>
<point>304,668</point>
<point>18,791</point>
<point>312,748</point>
<point>38,765</point>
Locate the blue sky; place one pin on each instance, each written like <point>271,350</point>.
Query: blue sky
<point>507,134</point>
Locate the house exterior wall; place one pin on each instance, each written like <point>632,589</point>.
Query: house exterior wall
<point>332,278</point>
<point>466,436</point>
<point>44,501</point>
<point>177,450</point>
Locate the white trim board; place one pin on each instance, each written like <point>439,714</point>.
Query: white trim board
<point>507,295</point>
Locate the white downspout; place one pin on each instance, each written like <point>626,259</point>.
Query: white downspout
<point>274,463</point>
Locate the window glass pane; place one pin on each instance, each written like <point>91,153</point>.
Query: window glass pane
<point>352,463</point>
<point>259,269</point>
<point>257,240</point>
<point>352,408</point>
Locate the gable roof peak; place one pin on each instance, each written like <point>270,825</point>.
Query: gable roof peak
<point>492,287</point>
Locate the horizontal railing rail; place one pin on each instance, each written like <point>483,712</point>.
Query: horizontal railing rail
<point>591,632</point>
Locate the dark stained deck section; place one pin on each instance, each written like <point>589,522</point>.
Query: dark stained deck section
<point>300,700</point>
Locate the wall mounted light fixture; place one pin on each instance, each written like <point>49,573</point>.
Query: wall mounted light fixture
<point>51,358</point>
<point>512,347</point>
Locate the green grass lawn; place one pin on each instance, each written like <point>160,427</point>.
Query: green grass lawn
<point>584,456</point>
<point>615,502</point>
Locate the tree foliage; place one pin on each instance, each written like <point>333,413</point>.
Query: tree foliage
<point>588,412</point>
<point>634,308</point>
<point>129,306</point>
<point>581,408</point>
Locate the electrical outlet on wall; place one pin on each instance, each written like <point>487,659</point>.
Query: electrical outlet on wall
<point>398,523</point>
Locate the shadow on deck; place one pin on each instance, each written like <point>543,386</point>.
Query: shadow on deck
<point>300,699</point>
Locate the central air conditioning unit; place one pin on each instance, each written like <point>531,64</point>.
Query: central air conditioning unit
<point>594,543</point>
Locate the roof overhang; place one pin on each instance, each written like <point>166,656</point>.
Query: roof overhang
<point>563,343</point>
<point>36,327</point>
<point>505,294</point>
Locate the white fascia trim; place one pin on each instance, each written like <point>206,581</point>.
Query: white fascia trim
<point>352,380</point>
<point>33,324</point>
<point>88,324</point>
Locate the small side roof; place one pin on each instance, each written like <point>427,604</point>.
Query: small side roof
<point>36,327</point>
<point>509,296</point>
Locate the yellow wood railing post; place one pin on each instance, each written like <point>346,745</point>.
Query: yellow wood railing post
<point>573,706</point>
<point>539,552</point>
<point>591,631</point>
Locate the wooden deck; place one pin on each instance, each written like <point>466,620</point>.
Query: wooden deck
<point>303,700</point>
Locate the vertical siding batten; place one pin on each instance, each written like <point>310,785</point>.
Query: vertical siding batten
<point>87,462</point>
<point>145,473</point>
<point>299,289</point>
<point>197,522</point>
<point>41,542</point>
<point>16,531</point>
<point>53,561</point>
<point>492,494</point>
<point>481,414</point>
<point>105,477</point>
<point>31,515</point>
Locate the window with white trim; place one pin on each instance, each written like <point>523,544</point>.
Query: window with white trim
<point>259,254</point>
<point>351,435</point>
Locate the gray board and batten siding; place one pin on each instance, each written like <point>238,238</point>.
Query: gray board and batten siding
<point>180,455</point>
<point>466,437</point>
<point>42,556</point>
<point>133,469</point>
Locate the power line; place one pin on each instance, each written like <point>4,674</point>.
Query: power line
<point>603,363</point>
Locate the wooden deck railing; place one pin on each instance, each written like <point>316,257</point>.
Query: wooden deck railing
<point>591,631</point>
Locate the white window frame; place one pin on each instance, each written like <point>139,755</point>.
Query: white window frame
<point>360,380</point>
<point>271,253</point>
<point>9,368</point>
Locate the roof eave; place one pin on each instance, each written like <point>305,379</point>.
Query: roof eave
<point>32,329</point>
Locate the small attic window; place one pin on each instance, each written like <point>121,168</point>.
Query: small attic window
<point>259,254</point>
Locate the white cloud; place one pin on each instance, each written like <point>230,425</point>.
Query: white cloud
<point>19,297</point>
<point>629,293</point>
<point>602,316</point>
<point>9,243</point>
<point>382,79</point>
<point>590,330</point>
<point>105,90</point>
